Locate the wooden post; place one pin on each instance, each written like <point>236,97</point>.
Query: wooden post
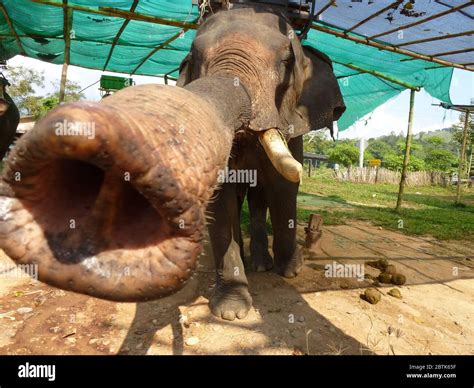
<point>310,164</point>
<point>461,158</point>
<point>395,49</point>
<point>12,29</point>
<point>156,49</point>
<point>469,164</point>
<point>379,75</point>
<point>119,33</point>
<point>119,13</point>
<point>394,5</point>
<point>62,88</point>
<point>406,159</point>
<point>67,50</point>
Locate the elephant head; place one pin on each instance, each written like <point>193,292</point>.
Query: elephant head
<point>291,87</point>
<point>109,198</point>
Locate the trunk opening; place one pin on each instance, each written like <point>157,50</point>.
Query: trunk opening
<point>74,213</point>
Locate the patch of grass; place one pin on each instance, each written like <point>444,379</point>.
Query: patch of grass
<point>329,217</point>
<point>427,210</point>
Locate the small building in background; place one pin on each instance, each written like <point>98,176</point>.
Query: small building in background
<point>316,159</point>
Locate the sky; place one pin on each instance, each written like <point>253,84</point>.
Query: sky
<point>391,116</point>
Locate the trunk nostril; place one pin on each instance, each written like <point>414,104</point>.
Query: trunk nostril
<point>85,211</point>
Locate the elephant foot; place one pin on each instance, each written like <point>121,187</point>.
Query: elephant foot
<point>230,302</point>
<point>262,263</point>
<point>291,268</point>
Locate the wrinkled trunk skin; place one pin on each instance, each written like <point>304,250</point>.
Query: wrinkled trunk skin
<point>117,212</point>
<point>9,119</point>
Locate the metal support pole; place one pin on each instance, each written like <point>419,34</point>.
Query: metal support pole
<point>461,158</point>
<point>406,159</point>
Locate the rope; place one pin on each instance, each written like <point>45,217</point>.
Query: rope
<point>87,87</point>
<point>202,8</point>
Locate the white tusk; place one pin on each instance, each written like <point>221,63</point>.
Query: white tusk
<point>280,156</point>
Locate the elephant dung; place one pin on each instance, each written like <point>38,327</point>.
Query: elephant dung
<point>391,269</point>
<point>398,279</point>
<point>371,295</point>
<point>385,278</point>
<point>395,292</point>
<point>381,264</point>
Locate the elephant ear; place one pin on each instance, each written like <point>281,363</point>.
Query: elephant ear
<point>320,102</point>
<point>185,71</point>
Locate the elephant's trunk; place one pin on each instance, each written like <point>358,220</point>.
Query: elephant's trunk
<point>108,198</point>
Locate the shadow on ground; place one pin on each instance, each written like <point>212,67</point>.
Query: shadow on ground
<point>281,322</point>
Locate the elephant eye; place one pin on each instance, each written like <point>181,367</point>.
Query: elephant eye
<point>288,58</point>
<point>286,64</point>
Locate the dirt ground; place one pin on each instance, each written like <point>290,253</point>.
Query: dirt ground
<point>310,314</point>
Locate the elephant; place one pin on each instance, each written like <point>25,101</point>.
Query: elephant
<point>121,215</point>
<point>9,118</point>
<point>324,96</point>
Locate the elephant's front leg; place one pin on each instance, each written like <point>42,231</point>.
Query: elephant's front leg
<point>286,253</point>
<point>261,259</point>
<point>282,197</point>
<point>231,297</point>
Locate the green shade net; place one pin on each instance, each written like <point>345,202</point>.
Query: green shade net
<point>364,92</point>
<point>156,49</point>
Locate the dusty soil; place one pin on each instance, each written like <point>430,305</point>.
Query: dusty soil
<point>311,314</point>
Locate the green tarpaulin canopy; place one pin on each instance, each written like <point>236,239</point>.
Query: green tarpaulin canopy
<point>152,37</point>
<point>362,91</point>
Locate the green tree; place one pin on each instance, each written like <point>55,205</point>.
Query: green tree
<point>42,105</point>
<point>435,140</point>
<point>71,92</point>
<point>23,81</point>
<point>440,160</point>
<point>415,145</point>
<point>317,142</point>
<point>395,163</point>
<point>391,139</point>
<point>457,131</point>
<point>344,153</point>
<point>368,156</point>
<point>379,149</point>
<point>458,134</point>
